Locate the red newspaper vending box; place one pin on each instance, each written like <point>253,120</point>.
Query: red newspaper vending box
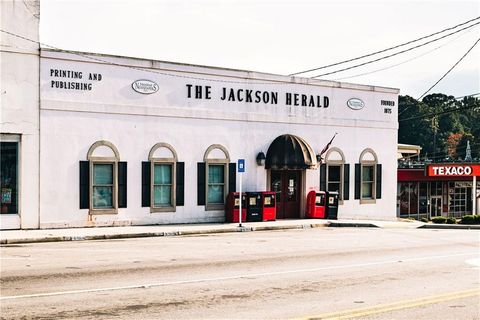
<point>269,207</point>
<point>232,208</point>
<point>316,201</point>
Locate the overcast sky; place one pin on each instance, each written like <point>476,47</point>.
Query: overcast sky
<point>280,37</point>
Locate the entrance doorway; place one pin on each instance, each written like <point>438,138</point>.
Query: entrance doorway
<point>436,206</point>
<point>287,185</point>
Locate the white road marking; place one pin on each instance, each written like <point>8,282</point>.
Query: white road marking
<point>473,262</point>
<point>244,276</point>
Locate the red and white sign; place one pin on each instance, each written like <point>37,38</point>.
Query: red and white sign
<point>453,170</point>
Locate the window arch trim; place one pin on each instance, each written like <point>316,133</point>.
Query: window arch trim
<point>332,150</point>
<point>160,145</point>
<point>364,152</point>
<point>217,160</point>
<point>103,143</point>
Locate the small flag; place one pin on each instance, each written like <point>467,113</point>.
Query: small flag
<point>327,146</point>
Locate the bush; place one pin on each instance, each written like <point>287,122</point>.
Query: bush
<point>470,219</point>
<point>451,220</point>
<point>424,220</point>
<point>439,219</point>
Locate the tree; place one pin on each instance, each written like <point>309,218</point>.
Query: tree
<point>452,143</point>
<point>429,123</point>
<point>415,131</point>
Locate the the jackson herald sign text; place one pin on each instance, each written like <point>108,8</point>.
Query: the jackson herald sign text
<point>258,96</point>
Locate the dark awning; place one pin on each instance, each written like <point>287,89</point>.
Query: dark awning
<point>290,152</point>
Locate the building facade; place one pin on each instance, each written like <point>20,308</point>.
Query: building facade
<point>442,189</point>
<point>99,140</point>
<point>19,115</point>
<point>132,141</point>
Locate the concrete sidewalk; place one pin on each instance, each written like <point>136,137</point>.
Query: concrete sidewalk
<point>101,233</point>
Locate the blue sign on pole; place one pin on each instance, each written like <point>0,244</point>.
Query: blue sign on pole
<point>241,165</point>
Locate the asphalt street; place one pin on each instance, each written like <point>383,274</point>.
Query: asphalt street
<point>324,273</point>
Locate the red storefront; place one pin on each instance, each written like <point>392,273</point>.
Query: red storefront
<point>450,190</point>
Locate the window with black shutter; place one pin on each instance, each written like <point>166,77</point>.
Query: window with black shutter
<point>346,181</point>
<point>378,193</point>
<point>232,177</point>
<point>323,177</point>
<point>107,179</point>
<point>163,186</point>
<point>369,177</point>
<point>357,180</point>
<point>201,183</point>
<point>122,184</point>
<point>84,185</point>
<point>332,174</point>
<point>146,184</point>
<point>218,178</point>
<point>180,184</point>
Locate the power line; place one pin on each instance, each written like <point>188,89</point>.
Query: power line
<point>384,50</point>
<point>461,150</point>
<point>396,53</point>
<point>406,61</point>
<point>445,154</point>
<point>87,56</point>
<point>440,113</point>
<point>470,95</point>
<point>466,53</point>
<point>456,98</point>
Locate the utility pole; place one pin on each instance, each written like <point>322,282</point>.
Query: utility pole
<point>435,128</point>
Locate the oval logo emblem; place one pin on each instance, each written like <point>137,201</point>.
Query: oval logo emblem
<point>145,86</point>
<point>355,104</point>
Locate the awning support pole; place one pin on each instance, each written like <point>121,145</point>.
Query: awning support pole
<point>474,195</point>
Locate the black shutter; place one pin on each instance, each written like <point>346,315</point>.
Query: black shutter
<point>323,177</point>
<point>378,194</point>
<point>201,183</point>
<point>122,184</point>
<point>232,177</point>
<point>84,184</point>
<point>346,181</point>
<point>145,183</point>
<point>180,181</point>
<point>357,180</point>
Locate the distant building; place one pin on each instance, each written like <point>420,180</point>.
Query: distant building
<point>427,190</point>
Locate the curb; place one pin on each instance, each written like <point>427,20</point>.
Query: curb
<point>219,231</point>
<point>156,234</point>
<point>351,225</point>
<point>450,226</point>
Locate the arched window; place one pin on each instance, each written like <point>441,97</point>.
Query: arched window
<point>216,177</point>
<point>162,179</point>
<point>103,179</point>
<point>368,175</point>
<point>336,173</point>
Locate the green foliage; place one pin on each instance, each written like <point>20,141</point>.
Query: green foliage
<point>470,219</point>
<point>451,220</point>
<point>439,219</point>
<point>440,131</point>
<point>424,220</point>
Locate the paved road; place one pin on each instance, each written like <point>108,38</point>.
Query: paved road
<point>301,274</point>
